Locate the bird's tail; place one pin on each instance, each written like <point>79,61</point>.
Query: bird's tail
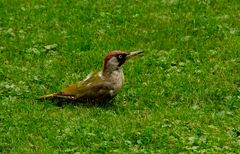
<point>57,96</point>
<point>48,97</point>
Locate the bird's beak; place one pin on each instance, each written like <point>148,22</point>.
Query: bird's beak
<point>133,54</point>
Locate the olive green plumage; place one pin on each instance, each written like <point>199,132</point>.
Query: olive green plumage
<point>99,87</point>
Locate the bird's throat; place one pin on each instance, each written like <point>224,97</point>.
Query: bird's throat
<point>110,70</point>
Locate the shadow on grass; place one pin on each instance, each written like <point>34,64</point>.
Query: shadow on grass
<point>63,103</point>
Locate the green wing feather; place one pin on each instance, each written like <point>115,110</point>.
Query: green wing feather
<point>93,85</point>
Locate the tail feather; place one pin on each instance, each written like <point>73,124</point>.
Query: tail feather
<point>49,96</point>
<point>57,96</point>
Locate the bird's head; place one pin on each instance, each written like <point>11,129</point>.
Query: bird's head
<point>115,59</point>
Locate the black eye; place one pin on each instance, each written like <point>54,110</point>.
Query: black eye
<point>120,56</point>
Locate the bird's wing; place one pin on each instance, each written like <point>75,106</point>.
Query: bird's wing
<point>93,86</point>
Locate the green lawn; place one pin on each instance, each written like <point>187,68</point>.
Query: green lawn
<point>181,96</point>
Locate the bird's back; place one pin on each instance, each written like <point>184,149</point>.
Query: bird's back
<point>93,89</point>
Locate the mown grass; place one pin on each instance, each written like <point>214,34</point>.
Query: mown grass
<point>182,96</point>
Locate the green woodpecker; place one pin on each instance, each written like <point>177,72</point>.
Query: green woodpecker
<point>99,87</point>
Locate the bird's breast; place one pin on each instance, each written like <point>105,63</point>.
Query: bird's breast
<point>117,79</point>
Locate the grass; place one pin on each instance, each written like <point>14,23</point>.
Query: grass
<point>182,96</point>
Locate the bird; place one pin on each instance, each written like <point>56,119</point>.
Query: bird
<point>99,87</point>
